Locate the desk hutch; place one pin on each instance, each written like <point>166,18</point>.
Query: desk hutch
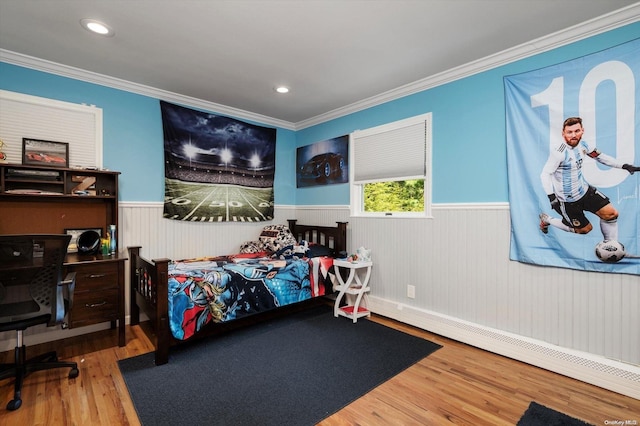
<point>41,199</point>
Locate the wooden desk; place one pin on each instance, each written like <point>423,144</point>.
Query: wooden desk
<point>99,292</point>
<point>41,199</point>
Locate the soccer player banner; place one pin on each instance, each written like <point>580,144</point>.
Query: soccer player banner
<point>573,151</point>
<point>217,169</point>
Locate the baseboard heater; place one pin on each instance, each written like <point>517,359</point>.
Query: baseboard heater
<point>609,374</point>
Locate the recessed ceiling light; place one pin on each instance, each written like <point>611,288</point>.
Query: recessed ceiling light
<point>282,89</point>
<point>97,27</point>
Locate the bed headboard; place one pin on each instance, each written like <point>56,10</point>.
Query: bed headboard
<point>334,237</point>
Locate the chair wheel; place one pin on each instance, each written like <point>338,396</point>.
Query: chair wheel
<point>74,373</point>
<point>14,404</point>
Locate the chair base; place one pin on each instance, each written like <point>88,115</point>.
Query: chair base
<point>22,367</point>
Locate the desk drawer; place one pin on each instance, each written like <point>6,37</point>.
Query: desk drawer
<point>95,277</point>
<point>94,307</point>
<point>96,296</point>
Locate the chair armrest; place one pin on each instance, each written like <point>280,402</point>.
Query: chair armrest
<point>68,285</point>
<point>69,280</point>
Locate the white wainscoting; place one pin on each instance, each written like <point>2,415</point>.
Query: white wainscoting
<point>142,224</point>
<point>581,324</point>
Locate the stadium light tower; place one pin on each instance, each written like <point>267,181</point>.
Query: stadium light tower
<point>255,163</point>
<point>190,151</point>
<point>226,156</point>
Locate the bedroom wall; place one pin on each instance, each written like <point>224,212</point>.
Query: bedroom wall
<point>458,260</point>
<point>466,286</point>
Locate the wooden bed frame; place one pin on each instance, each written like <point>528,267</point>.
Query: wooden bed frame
<point>149,288</point>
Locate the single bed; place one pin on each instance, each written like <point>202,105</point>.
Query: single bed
<point>194,298</point>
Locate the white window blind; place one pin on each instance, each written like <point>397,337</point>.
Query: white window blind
<point>26,116</point>
<point>394,151</point>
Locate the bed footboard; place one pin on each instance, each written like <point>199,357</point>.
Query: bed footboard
<point>148,293</point>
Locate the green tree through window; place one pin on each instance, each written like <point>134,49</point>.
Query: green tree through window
<point>394,196</point>
<point>390,167</point>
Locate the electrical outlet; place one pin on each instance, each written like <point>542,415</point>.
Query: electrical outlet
<point>411,291</point>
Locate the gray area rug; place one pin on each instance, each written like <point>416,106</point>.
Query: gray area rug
<point>539,415</point>
<point>293,370</point>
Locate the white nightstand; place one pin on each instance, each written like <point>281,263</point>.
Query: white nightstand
<point>356,288</point>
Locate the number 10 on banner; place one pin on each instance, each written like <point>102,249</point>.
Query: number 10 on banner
<point>621,77</point>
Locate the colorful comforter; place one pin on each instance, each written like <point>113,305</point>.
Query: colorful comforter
<point>225,288</point>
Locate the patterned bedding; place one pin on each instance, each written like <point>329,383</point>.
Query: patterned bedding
<point>225,288</point>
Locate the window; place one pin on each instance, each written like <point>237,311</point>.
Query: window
<point>41,118</point>
<point>391,169</point>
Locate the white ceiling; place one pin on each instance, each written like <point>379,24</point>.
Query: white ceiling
<point>332,53</point>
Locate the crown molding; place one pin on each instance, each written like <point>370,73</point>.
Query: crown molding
<point>43,65</point>
<point>601,24</point>
<point>616,19</point>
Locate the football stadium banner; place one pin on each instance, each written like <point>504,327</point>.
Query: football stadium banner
<point>217,169</point>
<point>573,151</point>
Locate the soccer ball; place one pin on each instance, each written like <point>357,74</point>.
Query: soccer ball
<point>610,251</point>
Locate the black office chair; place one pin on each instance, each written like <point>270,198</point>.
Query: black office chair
<point>32,292</point>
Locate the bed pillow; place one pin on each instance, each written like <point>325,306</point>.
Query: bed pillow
<point>276,237</point>
<point>251,247</point>
<point>318,250</point>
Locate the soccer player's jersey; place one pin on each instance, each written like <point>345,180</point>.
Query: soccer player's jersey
<point>565,168</point>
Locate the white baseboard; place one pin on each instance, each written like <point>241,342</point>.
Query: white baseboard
<point>596,370</point>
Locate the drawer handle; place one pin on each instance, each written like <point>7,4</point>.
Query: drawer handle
<point>97,275</point>
<point>95,305</point>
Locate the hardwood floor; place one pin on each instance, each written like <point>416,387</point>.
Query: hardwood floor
<point>457,384</point>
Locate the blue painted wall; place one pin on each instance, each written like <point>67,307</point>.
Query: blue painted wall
<point>469,142</point>
<point>469,150</point>
<point>132,137</point>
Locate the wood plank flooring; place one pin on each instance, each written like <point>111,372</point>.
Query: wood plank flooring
<point>457,384</point>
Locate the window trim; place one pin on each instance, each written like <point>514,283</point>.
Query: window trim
<point>36,117</point>
<point>357,189</point>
